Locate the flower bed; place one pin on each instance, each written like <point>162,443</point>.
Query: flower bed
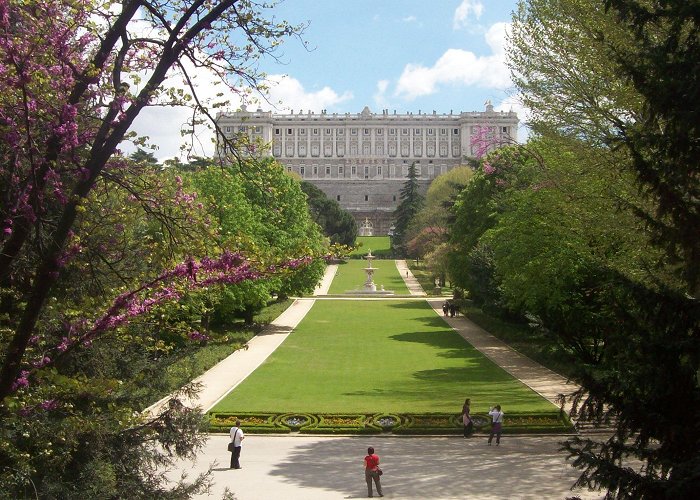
<point>424,424</point>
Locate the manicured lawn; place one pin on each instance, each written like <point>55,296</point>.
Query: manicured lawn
<point>380,246</point>
<point>377,356</point>
<point>350,276</point>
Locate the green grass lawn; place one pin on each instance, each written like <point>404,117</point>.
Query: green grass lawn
<point>378,356</point>
<point>350,276</point>
<point>380,246</point>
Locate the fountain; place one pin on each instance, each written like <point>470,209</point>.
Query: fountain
<point>369,284</point>
<point>370,287</point>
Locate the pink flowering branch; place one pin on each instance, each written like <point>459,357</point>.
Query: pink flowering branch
<point>230,268</point>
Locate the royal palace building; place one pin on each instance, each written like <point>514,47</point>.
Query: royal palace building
<point>361,160</point>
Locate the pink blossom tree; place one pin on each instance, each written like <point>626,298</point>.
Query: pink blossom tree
<point>74,75</point>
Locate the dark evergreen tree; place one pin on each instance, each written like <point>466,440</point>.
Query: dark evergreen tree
<point>410,204</point>
<point>143,157</point>
<point>643,379</point>
<point>648,377</point>
<point>337,223</point>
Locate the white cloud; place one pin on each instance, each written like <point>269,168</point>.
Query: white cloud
<point>409,19</point>
<point>163,124</point>
<point>380,95</point>
<point>459,67</point>
<point>465,10</point>
<point>515,103</point>
<point>288,93</point>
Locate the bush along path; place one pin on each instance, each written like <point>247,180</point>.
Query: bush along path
<point>399,424</point>
<point>218,381</point>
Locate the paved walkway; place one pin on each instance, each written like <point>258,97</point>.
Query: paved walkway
<point>408,278</point>
<point>221,379</point>
<point>540,379</point>
<point>299,467</point>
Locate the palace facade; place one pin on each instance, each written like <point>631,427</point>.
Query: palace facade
<point>361,160</point>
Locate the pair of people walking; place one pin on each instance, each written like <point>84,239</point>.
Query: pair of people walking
<point>496,421</point>
<point>449,309</point>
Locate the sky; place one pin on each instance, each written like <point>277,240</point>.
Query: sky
<point>404,55</point>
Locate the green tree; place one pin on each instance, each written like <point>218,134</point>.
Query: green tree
<point>611,73</point>
<point>337,223</point>
<point>428,233</point>
<point>263,215</point>
<point>74,76</point>
<point>411,201</point>
<point>142,156</point>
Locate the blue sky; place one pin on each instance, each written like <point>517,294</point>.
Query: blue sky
<point>403,55</point>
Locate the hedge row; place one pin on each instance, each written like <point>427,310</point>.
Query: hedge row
<point>374,423</point>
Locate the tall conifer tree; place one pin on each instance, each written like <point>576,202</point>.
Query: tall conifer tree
<point>410,204</point>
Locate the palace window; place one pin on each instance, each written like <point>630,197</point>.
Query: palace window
<point>416,131</point>
<point>302,170</point>
<point>302,131</point>
<point>353,131</point>
<point>341,170</point>
<point>314,131</point>
<point>289,131</point>
<point>366,197</point>
<point>455,131</point>
<point>365,131</point>
<point>277,131</point>
<point>328,170</point>
<point>337,197</point>
<point>392,131</point>
<point>353,170</point>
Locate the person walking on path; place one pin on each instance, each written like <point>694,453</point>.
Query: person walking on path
<point>372,472</point>
<point>467,418</point>
<point>496,424</point>
<point>445,308</point>
<point>237,437</point>
<point>453,310</point>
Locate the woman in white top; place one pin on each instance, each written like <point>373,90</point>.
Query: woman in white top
<point>496,424</point>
